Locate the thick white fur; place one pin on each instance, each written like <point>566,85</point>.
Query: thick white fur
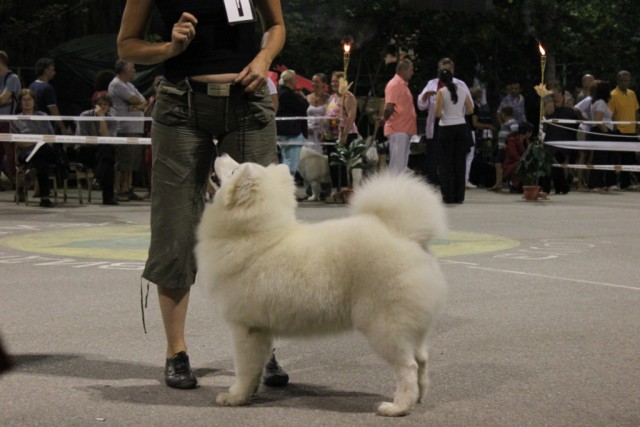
<point>274,276</point>
<point>314,169</point>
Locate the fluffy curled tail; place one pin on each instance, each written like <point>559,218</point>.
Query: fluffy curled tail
<point>405,203</point>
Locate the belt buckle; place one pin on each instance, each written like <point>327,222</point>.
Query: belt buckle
<point>218,89</point>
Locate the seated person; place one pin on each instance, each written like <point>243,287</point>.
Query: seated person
<point>45,154</point>
<point>516,145</point>
<point>105,153</point>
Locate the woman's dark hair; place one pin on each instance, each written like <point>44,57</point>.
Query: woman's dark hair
<point>446,78</point>
<point>524,128</point>
<point>602,91</point>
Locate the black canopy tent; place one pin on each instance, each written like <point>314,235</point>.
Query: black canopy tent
<point>78,61</point>
<point>462,5</point>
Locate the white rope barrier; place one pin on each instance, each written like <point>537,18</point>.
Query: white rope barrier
<point>617,168</point>
<point>621,136</point>
<point>587,122</point>
<point>596,145</point>
<point>111,140</point>
<point>40,118</point>
<point>73,139</point>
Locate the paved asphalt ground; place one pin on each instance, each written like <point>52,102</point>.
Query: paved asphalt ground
<point>542,327</point>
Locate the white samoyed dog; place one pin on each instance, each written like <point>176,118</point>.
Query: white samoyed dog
<point>314,169</point>
<point>276,277</point>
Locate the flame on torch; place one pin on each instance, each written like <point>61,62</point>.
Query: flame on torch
<point>542,51</point>
<point>346,46</point>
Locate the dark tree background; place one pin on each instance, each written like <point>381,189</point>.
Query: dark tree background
<point>497,45</point>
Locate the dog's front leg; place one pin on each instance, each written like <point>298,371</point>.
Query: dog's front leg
<point>252,349</point>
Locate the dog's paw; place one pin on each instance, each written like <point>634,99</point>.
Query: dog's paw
<point>313,198</point>
<point>228,399</point>
<point>388,409</point>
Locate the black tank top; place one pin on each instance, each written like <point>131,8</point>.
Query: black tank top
<point>218,47</point>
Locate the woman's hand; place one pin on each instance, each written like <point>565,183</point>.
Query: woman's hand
<point>184,31</point>
<point>100,111</point>
<point>254,75</point>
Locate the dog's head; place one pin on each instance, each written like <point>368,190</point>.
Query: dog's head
<point>249,185</point>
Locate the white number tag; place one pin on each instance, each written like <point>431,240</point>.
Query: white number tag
<point>239,11</point>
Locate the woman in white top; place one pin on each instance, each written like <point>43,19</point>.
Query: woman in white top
<point>318,101</point>
<point>453,137</point>
<point>600,180</point>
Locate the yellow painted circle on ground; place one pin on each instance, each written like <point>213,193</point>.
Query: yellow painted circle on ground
<point>120,242</point>
<point>460,243</point>
<point>131,243</point>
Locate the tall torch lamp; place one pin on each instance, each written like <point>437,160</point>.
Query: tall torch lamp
<point>347,51</point>
<point>543,64</point>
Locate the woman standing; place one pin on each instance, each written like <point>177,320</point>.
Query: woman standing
<point>291,133</point>
<point>453,137</point>
<point>601,180</point>
<point>318,101</point>
<point>214,87</point>
<point>45,155</point>
<point>342,108</point>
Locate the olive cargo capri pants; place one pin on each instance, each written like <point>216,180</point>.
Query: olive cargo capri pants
<point>185,121</point>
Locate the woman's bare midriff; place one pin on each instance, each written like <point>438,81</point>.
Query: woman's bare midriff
<point>215,78</point>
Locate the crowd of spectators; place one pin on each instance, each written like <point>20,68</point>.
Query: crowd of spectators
<point>489,143</point>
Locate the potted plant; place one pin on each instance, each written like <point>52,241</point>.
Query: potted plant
<point>351,156</point>
<point>536,162</point>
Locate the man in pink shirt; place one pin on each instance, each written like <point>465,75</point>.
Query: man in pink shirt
<point>399,116</point>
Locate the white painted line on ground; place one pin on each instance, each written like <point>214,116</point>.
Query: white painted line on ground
<point>566,279</point>
<point>446,261</point>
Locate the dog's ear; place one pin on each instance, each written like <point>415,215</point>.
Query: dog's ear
<point>224,167</point>
<point>244,185</point>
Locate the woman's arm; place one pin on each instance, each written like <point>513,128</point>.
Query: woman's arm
<point>597,116</point>
<point>351,107</point>
<point>439,101</point>
<point>254,75</point>
<point>131,44</point>
<point>468,105</point>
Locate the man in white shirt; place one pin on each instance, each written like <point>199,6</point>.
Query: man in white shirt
<point>427,101</point>
<point>127,102</point>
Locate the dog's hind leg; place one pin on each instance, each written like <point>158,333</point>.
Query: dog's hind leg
<point>315,191</point>
<point>400,353</point>
<point>422,357</point>
<point>252,350</point>
<point>406,372</point>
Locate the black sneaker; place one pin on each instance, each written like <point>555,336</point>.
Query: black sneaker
<point>177,372</point>
<point>134,196</point>
<point>274,375</point>
<point>46,203</point>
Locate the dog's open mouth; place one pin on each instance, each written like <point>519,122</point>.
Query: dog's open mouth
<point>214,180</point>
